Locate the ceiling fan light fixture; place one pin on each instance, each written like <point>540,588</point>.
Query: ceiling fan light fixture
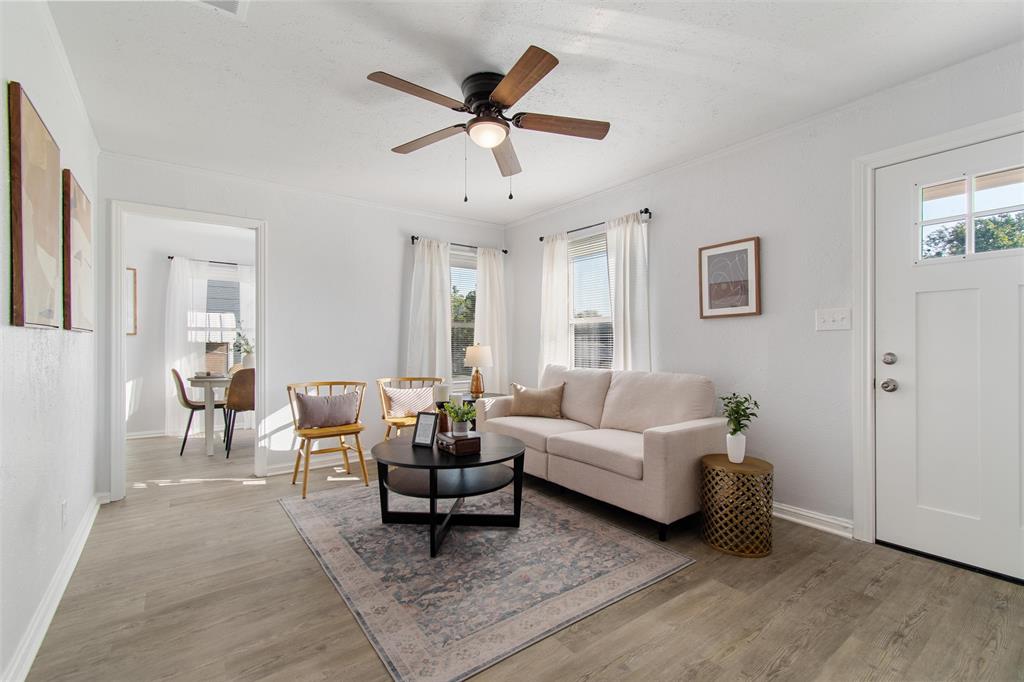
<point>487,132</point>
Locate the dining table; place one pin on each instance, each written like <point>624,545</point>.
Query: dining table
<point>209,384</point>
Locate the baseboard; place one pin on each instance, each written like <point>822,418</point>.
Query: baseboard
<point>32,639</point>
<point>135,435</point>
<point>813,519</point>
<point>320,462</point>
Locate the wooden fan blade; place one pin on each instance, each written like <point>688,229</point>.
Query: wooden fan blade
<point>563,125</point>
<point>527,72</point>
<point>421,142</point>
<point>505,155</point>
<point>415,90</point>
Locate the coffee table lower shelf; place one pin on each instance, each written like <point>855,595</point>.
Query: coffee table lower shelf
<point>458,484</point>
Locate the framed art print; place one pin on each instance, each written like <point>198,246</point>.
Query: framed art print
<point>35,216</point>
<point>79,282</point>
<point>426,429</point>
<point>730,278</point>
<point>131,301</point>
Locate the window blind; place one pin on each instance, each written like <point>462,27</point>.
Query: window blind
<point>591,321</point>
<point>463,276</point>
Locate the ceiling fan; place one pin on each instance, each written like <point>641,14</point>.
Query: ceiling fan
<point>487,96</point>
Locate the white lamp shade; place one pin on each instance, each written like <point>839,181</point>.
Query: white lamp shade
<point>478,356</point>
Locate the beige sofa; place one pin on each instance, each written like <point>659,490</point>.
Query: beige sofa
<point>632,439</point>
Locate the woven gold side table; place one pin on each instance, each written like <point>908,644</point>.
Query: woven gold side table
<point>737,504</point>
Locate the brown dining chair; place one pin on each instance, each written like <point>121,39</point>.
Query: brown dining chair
<point>192,406</point>
<point>241,397</point>
<point>393,420</point>
<point>307,436</point>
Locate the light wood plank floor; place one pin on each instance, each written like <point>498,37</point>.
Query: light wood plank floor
<point>199,575</point>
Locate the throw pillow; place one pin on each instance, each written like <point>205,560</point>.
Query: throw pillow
<point>537,402</point>
<point>406,402</point>
<point>320,411</point>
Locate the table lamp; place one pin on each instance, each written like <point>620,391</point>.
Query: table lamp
<point>477,356</point>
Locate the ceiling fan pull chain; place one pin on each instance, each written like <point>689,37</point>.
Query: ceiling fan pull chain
<point>510,188</point>
<point>465,169</point>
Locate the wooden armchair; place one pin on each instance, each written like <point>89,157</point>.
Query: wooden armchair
<point>393,421</point>
<point>307,436</point>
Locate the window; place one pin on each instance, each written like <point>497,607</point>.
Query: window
<point>223,309</point>
<point>591,310</point>
<point>974,215</point>
<point>463,276</point>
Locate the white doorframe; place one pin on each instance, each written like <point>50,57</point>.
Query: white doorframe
<point>863,356</point>
<point>119,211</point>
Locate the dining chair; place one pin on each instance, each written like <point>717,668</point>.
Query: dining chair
<point>241,397</point>
<point>391,419</point>
<point>307,436</point>
<point>191,405</point>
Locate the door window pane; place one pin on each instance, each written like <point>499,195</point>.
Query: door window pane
<point>999,231</point>
<point>943,239</point>
<point>945,200</point>
<point>999,190</point>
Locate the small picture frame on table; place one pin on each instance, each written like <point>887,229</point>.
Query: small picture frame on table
<point>426,429</point>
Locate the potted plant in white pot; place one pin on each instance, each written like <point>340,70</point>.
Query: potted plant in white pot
<point>461,415</point>
<point>244,347</point>
<point>740,410</point>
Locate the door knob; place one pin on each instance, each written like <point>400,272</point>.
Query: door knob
<point>889,359</point>
<point>889,385</point>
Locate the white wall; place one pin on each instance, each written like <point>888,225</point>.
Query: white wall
<point>792,188</point>
<point>147,243</point>
<point>337,273</point>
<point>47,376</point>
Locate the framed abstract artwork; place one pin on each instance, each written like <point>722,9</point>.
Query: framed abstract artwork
<point>35,216</point>
<point>79,282</point>
<point>730,278</point>
<point>131,301</point>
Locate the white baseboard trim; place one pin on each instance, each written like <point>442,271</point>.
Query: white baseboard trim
<point>813,519</point>
<point>32,639</point>
<point>135,435</point>
<point>321,462</point>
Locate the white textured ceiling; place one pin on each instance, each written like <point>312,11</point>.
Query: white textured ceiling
<point>283,96</point>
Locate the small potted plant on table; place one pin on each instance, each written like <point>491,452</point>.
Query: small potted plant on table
<point>740,410</point>
<point>461,415</point>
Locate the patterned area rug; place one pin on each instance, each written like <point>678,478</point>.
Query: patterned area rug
<point>490,593</point>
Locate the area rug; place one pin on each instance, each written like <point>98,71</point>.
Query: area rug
<point>490,593</point>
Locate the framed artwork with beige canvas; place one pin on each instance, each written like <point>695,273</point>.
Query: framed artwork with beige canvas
<point>730,278</point>
<point>35,216</point>
<point>79,304</point>
<point>131,298</point>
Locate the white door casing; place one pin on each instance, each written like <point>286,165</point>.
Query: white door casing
<point>948,440</point>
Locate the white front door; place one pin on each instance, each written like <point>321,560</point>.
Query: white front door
<point>949,297</point>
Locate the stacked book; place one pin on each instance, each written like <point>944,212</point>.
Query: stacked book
<point>459,444</point>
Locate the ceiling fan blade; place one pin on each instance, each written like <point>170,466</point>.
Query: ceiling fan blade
<point>563,125</point>
<point>415,90</point>
<point>527,72</point>
<point>437,136</point>
<point>505,155</point>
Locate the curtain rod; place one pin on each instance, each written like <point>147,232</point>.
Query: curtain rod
<point>216,262</point>
<point>414,238</point>
<point>587,227</point>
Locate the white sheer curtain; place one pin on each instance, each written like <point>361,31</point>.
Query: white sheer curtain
<point>554,302</point>
<point>489,327</point>
<point>627,262</point>
<point>184,342</point>
<point>429,350</point>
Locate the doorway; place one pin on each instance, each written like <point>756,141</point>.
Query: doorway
<point>949,310</point>
<point>188,295</point>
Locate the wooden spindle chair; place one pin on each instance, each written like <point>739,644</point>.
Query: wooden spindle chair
<point>398,422</point>
<point>307,436</point>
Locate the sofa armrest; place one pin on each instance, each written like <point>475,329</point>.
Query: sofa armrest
<point>672,461</point>
<point>492,408</point>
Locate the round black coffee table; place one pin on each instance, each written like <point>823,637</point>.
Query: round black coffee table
<point>436,475</point>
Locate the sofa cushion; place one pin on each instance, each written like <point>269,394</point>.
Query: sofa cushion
<point>533,431</point>
<point>537,402</point>
<point>621,452</point>
<point>638,401</point>
<point>585,390</point>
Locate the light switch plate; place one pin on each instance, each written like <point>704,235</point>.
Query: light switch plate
<point>831,319</point>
